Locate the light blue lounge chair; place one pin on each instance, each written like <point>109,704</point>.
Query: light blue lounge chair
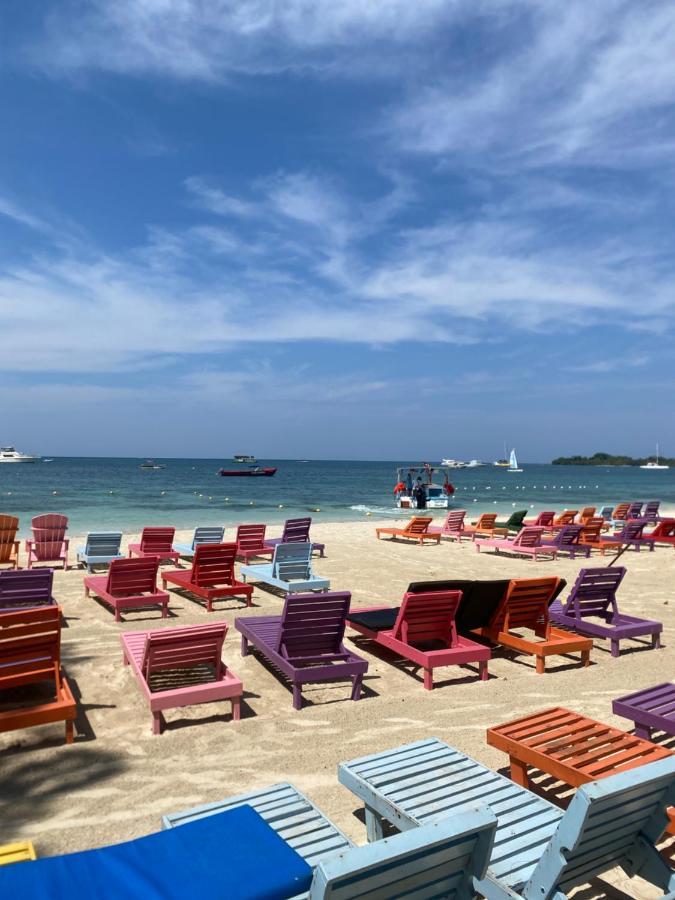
<point>205,534</point>
<point>290,570</point>
<point>539,851</point>
<point>100,549</point>
<point>438,860</point>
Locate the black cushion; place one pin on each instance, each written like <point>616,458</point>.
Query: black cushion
<point>376,619</point>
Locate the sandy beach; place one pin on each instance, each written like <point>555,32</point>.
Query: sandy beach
<point>117,780</point>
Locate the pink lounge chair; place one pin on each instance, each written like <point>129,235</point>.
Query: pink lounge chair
<point>453,527</point>
<point>156,543</point>
<point>151,654</point>
<point>251,542</point>
<point>128,584</point>
<point>211,576</point>
<point>526,543</point>
<point>49,542</point>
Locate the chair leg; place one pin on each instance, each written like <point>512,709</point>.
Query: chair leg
<point>428,679</point>
<point>615,647</point>
<point>656,640</point>
<point>157,722</point>
<point>244,646</point>
<point>483,670</point>
<point>541,665</point>
<point>586,658</point>
<point>236,708</point>
<point>643,731</point>
<point>297,696</point>
<point>118,617</point>
<point>519,772</point>
<point>374,825</point>
<point>69,731</point>
<point>165,609</point>
<point>356,687</point>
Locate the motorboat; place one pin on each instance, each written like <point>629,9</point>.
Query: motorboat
<point>252,472</point>
<point>453,463</point>
<point>10,455</point>
<point>436,495</point>
<point>244,459</point>
<point>475,464</point>
<point>151,464</point>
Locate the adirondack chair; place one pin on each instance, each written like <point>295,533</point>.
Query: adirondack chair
<point>205,534</point>
<point>9,546</point>
<point>485,526</point>
<point>453,527</point>
<point>250,542</point>
<point>514,522</point>
<point>290,570</point>
<point>568,540</point>
<point>632,535</point>
<point>30,653</point>
<point>664,533</point>
<point>526,605</point>
<point>634,511</point>
<point>212,575</point>
<point>417,529</point>
<point>423,629</point>
<point>26,589</point>
<point>20,851</point>
<point>591,609</point>
<point>129,584</point>
<point>306,641</point>
<point>651,511</point>
<point>49,542</point>
<point>100,549</point>
<point>296,531</point>
<point>528,542</point>
<point>156,543</point>
<point>544,519</point>
<point>197,652</point>
<point>588,512</point>
<point>539,851</point>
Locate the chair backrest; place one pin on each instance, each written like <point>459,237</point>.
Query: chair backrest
<point>566,517</point>
<point>525,604</point>
<point>30,646</point>
<point>606,512</point>
<point>313,625</point>
<point>631,531</point>
<point>664,528</point>
<point>530,536</point>
<point>486,521</point>
<point>9,525</point>
<point>594,592</point>
<point>545,518</point>
<point>634,510</point>
<point>102,543</point>
<point>418,525</point>
<point>49,532</point>
<point>620,510</point>
<point>214,564</point>
<point>454,521</point>
<point>516,519</point>
<point>292,562</point>
<point>651,510</point>
<point>157,540</point>
<point>296,531</point>
<point>129,577</point>
<point>183,648</point>
<point>612,822</point>
<point>592,529</point>
<point>250,537</point>
<point>427,617</point>
<point>586,513</point>
<point>480,599</point>
<point>568,536</point>
<point>26,588</point>
<point>437,860</point>
<point>207,534</point>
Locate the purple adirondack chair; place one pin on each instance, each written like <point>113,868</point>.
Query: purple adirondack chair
<point>305,641</point>
<point>652,709</point>
<point>26,589</point>
<point>296,531</point>
<point>591,609</point>
<point>567,541</point>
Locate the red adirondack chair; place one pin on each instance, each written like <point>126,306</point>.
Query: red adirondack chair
<point>128,584</point>
<point>49,542</point>
<point>156,543</point>
<point>251,542</point>
<point>211,576</point>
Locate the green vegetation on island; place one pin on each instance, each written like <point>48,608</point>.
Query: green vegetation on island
<point>608,459</point>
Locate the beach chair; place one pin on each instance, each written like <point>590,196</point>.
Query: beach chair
<point>514,522</point>
<point>212,575</point>
<point>9,546</point>
<point>567,540</point>
<point>296,531</point>
<point>100,549</point>
<point>485,526</point>
<point>620,511</point>
<point>159,658</point>
<point>250,542</point>
<point>527,542</point>
<point>453,527</point>
<point>631,535</point>
<point>606,513</point>
<point>588,512</point>
<point>417,529</point>
<point>651,511</point>
<point>543,520</point>
<point>129,584</point>
<point>634,511</point>
<point>526,606</point>
<point>49,542</point>
<point>19,851</point>
<point>539,851</point>
<point>290,570</point>
<point>26,589</point>
<point>30,653</point>
<point>305,643</point>
<point>664,533</point>
<point>423,630</point>
<point>205,534</point>
<point>566,517</point>
<point>591,609</point>
<point>156,543</point>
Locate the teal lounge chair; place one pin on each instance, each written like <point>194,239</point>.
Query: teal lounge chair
<point>290,570</point>
<point>100,549</point>
<point>205,534</point>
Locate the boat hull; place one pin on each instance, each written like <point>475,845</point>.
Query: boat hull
<point>251,473</point>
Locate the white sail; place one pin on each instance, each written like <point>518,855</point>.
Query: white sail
<point>513,460</point>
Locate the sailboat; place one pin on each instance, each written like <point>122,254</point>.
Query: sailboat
<point>655,465</point>
<point>513,463</point>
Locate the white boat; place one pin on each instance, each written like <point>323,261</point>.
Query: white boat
<point>10,455</point>
<point>513,463</point>
<point>151,464</point>
<point>245,459</point>
<point>475,464</point>
<point>453,463</point>
<point>655,465</point>
<point>435,495</point>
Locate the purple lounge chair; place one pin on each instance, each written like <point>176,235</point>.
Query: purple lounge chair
<point>296,531</point>
<point>650,514</point>
<point>567,541</point>
<point>652,709</point>
<point>632,533</point>
<point>25,589</point>
<point>593,597</point>
<point>305,641</point>
<point>634,510</point>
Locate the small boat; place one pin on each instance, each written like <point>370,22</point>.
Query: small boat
<point>245,459</point>
<point>10,455</point>
<point>501,463</point>
<point>453,463</point>
<point>253,472</point>
<point>655,465</point>
<point>513,463</point>
<point>151,464</point>
<point>436,496</point>
<point>475,464</point>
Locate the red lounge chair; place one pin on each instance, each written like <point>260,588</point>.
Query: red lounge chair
<point>30,652</point>
<point>156,543</point>
<point>251,542</point>
<point>424,631</point>
<point>453,527</point>
<point>9,546</point>
<point>190,650</point>
<point>211,576</point>
<point>543,520</point>
<point>664,533</point>
<point>49,542</point>
<point>417,529</point>
<point>128,584</point>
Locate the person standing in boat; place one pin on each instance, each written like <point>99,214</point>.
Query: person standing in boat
<point>420,494</point>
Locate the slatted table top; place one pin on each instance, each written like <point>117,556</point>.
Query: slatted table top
<point>572,747</point>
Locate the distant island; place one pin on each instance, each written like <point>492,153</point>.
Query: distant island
<point>607,459</point>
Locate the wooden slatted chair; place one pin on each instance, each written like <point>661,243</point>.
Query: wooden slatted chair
<point>129,584</point>
<point>49,542</point>
<point>250,542</point>
<point>156,543</point>
<point>9,546</point>
<point>417,529</point>
<point>212,576</point>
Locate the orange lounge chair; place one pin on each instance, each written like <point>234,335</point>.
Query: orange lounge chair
<point>9,546</point>
<point>485,526</point>
<point>30,653</point>
<point>211,576</point>
<point>128,584</point>
<point>588,512</point>
<point>156,543</point>
<point>620,512</point>
<point>417,529</point>
<point>525,605</point>
<point>566,517</point>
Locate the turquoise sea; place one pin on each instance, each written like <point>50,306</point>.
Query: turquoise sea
<point>100,493</point>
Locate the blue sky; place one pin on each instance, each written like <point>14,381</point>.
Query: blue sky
<point>318,229</point>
